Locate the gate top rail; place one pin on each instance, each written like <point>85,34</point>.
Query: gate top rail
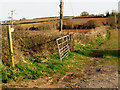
<point>62,37</point>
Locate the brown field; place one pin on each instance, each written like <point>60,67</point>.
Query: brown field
<point>84,20</point>
<point>26,24</point>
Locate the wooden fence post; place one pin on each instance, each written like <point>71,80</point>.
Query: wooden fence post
<point>11,56</point>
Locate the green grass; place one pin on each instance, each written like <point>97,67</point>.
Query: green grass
<point>87,49</point>
<point>48,66</point>
<point>109,49</point>
<point>36,68</point>
<point>106,48</point>
<point>112,43</point>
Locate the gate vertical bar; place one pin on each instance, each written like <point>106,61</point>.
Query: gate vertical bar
<point>59,49</point>
<point>67,44</point>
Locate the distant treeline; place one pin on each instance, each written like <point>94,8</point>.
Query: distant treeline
<point>89,17</point>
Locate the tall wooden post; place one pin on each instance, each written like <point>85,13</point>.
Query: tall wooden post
<point>61,15</point>
<point>11,56</point>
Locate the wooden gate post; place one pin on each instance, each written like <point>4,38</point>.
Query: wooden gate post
<point>71,43</point>
<point>11,56</point>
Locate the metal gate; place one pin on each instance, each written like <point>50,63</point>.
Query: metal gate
<point>63,46</point>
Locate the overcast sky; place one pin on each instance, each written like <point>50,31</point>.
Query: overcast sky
<point>48,8</point>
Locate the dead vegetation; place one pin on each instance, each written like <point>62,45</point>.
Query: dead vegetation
<point>70,24</point>
<point>30,44</point>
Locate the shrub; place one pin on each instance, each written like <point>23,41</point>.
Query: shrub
<point>33,28</point>
<point>68,24</point>
<point>112,23</point>
<point>90,24</point>
<point>42,44</point>
<point>84,13</point>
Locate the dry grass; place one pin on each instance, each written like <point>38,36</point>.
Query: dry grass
<point>111,22</point>
<point>43,43</point>
<point>18,34</point>
<point>30,43</point>
<point>85,38</point>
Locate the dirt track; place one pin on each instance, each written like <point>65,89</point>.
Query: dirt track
<point>102,76</point>
<point>99,77</point>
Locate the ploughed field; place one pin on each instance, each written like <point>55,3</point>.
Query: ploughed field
<point>27,24</point>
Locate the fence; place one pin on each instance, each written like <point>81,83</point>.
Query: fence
<point>63,46</point>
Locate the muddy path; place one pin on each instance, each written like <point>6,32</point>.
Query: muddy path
<point>101,76</point>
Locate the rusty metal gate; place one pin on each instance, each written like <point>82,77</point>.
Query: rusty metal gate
<point>63,46</point>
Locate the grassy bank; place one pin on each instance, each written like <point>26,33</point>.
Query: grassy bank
<point>109,49</point>
<point>43,66</point>
<point>46,66</point>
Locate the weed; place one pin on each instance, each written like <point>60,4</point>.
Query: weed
<point>5,86</point>
<point>35,87</point>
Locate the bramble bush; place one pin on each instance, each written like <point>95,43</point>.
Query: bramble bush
<point>69,24</point>
<point>90,24</point>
